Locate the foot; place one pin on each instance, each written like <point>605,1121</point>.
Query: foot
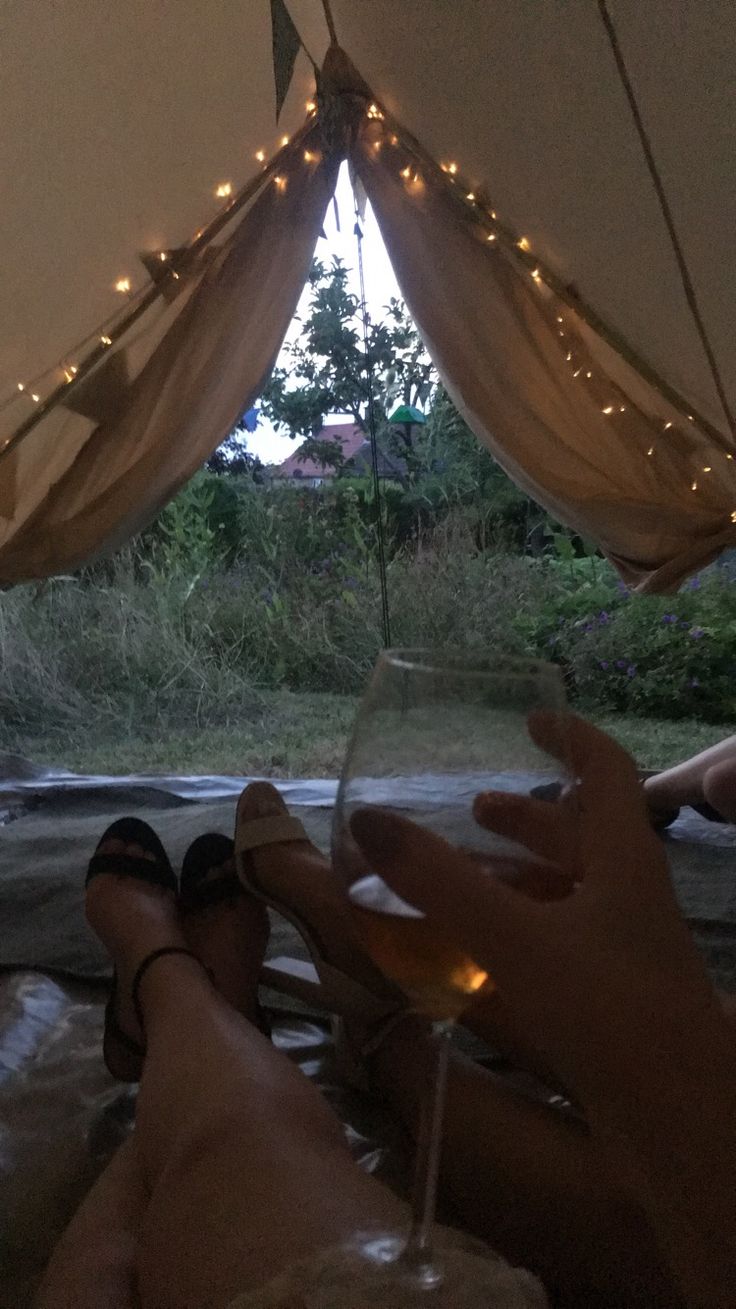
<point>298,875</point>
<point>230,938</point>
<point>132,918</point>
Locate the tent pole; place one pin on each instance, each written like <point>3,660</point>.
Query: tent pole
<point>385,613</point>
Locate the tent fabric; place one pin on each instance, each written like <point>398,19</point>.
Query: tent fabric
<point>529,384</point>
<point>211,363</point>
<point>527,99</point>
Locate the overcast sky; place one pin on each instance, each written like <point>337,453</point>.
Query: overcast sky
<point>380,287</point>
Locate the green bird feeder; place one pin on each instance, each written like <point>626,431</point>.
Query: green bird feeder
<point>407,416</point>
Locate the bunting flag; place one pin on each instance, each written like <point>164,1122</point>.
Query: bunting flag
<point>102,396</point>
<point>286,46</point>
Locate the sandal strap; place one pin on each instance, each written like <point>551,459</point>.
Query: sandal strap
<point>125,865</point>
<point>271,830</point>
<point>143,968</point>
<point>203,894</point>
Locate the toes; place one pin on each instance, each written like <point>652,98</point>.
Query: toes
<point>113,845</point>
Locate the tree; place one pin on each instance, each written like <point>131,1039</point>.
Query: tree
<point>327,369</point>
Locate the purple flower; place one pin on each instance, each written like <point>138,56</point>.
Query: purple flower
<point>669,618</point>
<point>631,670</point>
<point>620,663</point>
<point>696,633</point>
<point>604,618</point>
<point>603,663</point>
<point>622,587</point>
<point>693,682</point>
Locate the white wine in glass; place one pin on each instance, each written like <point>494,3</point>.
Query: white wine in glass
<point>435,728</point>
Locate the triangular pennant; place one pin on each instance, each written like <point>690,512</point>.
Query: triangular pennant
<point>359,192</point>
<point>286,46</point>
<point>102,395</point>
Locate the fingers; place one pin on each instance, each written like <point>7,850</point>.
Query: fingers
<point>490,920</point>
<point>546,829</point>
<point>608,778</point>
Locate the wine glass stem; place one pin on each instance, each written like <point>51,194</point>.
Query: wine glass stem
<point>418,1249</point>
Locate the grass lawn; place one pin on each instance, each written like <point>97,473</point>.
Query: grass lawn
<point>304,735</point>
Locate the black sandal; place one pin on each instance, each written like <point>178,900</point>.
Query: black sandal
<point>196,890</point>
<point>199,892</point>
<point>122,1053</point>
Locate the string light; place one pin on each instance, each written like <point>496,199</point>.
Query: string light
<point>310,107</point>
<point>35,398</point>
<point>224,190</point>
<point>284,140</point>
<point>537,276</point>
<point>692,420</point>
<point>588,374</point>
<point>123,285</point>
<point>523,243</point>
<point>493,213</point>
<point>650,451</point>
<point>163,256</point>
<point>21,387</point>
<point>622,409</point>
<point>733,515</point>
<point>106,340</point>
<point>694,486</point>
<point>492,236</point>
<point>568,356</point>
<point>707,469</point>
<point>470,195</point>
<point>729,456</point>
<point>308,157</point>
<point>280,183</point>
<point>667,427</point>
<point>394,140</point>
<point>406,172</point>
<point>261,156</point>
<point>374,112</point>
<point>608,409</point>
<point>451,169</point>
<point>560,320</point>
<point>578,371</point>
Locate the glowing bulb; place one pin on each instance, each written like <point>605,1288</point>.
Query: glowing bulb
<point>537,277</point>
<point>224,190</point>
<point>523,244</point>
<point>568,356</point>
<point>733,515</point>
<point>470,195</point>
<point>123,285</point>
<point>284,140</point>
<point>667,426</point>
<point>650,451</point>
<point>35,398</point>
<point>492,236</point>
<point>280,183</point>
<point>707,469</point>
<point>559,319</point>
<point>608,409</point>
<point>21,387</point>
<point>310,107</point>
<point>578,371</point>
<point>694,486</point>
<point>261,156</point>
<point>106,340</point>
<point>68,375</point>
<point>493,213</point>
<point>406,172</point>
<point>729,456</point>
<point>308,157</point>
<point>588,374</point>
<point>452,169</point>
<point>394,140</point>
<point>622,409</point>
<point>692,420</point>
<point>175,276</point>
<point>163,256</point>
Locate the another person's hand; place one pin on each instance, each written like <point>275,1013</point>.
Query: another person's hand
<point>592,977</point>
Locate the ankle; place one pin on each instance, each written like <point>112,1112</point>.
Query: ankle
<point>161,979</point>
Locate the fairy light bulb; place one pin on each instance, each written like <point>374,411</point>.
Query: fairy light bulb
<point>707,469</point>
<point>224,190</point>
<point>163,256</point>
<point>310,107</point>
<point>452,169</point>
<point>123,285</point>
<point>261,156</point>
<point>21,386</point>
<point>650,451</point>
<point>588,375</point>
<point>560,320</point>
<point>608,409</point>
<point>280,183</point>
<point>406,172</point>
<point>729,456</point>
<point>105,340</point>
<point>523,243</point>
<point>537,277</point>
<point>308,157</point>
<point>284,140</point>
<point>470,196</point>
<point>667,427</point>
<point>492,236</point>
<point>694,486</point>
<point>35,398</point>
<point>733,515</point>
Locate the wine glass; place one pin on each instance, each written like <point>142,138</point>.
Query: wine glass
<point>434,728</point>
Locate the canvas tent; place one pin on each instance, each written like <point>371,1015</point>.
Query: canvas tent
<point>587,343</point>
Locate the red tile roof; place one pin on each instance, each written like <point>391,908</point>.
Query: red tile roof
<point>350,437</point>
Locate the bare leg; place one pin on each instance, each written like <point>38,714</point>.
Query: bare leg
<point>710,775</point>
<point>246,1166</point>
<point>93,1266</point>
